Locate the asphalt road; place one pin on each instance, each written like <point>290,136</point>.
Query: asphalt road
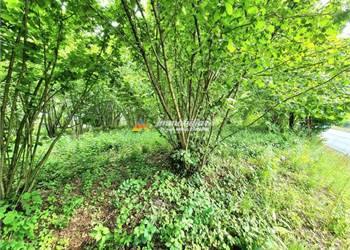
<point>338,140</point>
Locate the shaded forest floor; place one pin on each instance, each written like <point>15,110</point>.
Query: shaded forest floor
<point>115,191</point>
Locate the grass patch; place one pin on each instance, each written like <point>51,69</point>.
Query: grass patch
<point>114,190</point>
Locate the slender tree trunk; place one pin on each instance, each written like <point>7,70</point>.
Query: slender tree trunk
<point>291,120</point>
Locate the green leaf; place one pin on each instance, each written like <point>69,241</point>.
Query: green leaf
<point>10,218</point>
<point>229,8</point>
<point>260,83</point>
<point>270,28</point>
<point>11,4</point>
<point>231,47</point>
<point>260,25</point>
<point>252,10</point>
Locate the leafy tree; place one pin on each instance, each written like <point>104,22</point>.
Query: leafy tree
<point>205,59</point>
<point>52,47</point>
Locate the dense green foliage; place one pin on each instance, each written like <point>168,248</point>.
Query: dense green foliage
<point>227,97</point>
<point>71,66</point>
<point>51,60</point>
<point>115,190</point>
<point>227,60</point>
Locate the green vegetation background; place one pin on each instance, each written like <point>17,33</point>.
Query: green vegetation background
<point>115,191</point>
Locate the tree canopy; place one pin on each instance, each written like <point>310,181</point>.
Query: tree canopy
<point>67,66</point>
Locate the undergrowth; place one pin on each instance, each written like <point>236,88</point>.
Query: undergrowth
<point>115,191</point>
